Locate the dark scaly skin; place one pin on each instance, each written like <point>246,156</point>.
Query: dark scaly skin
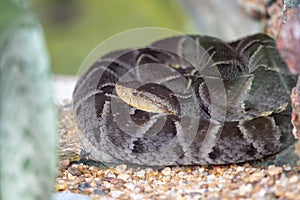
<point>246,119</point>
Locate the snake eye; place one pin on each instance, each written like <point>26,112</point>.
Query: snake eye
<point>134,93</point>
<point>247,109</point>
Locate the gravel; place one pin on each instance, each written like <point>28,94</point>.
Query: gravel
<point>182,182</point>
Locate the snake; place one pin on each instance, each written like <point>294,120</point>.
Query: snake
<point>186,100</point>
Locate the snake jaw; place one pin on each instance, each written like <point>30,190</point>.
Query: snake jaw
<point>282,107</point>
<point>144,100</point>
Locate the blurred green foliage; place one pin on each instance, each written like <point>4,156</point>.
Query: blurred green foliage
<point>74,27</point>
<point>8,13</point>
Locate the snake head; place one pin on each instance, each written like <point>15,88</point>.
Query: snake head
<point>150,97</point>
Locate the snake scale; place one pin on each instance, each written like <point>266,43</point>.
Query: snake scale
<point>186,100</point>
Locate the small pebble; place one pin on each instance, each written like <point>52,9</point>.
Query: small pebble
<point>166,171</point>
<point>294,179</point>
<point>64,164</point>
<point>210,178</point>
<point>124,176</point>
<point>111,175</point>
<point>140,173</point>
<point>61,185</point>
<point>273,170</point>
<point>245,189</point>
<point>71,177</point>
<point>287,167</point>
<point>99,192</point>
<point>74,171</point>
<point>83,186</point>
<point>256,176</point>
<point>120,168</point>
<point>239,169</point>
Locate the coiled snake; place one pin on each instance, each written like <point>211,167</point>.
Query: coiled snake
<point>186,100</point>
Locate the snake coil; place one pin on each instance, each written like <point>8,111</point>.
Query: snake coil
<point>186,100</point>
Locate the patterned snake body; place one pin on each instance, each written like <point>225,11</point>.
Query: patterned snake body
<point>186,100</point>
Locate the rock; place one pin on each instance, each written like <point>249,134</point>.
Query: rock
<point>28,155</point>
<point>288,42</point>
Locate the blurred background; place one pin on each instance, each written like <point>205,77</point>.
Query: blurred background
<point>74,27</point>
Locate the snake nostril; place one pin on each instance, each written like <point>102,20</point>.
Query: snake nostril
<point>247,109</point>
